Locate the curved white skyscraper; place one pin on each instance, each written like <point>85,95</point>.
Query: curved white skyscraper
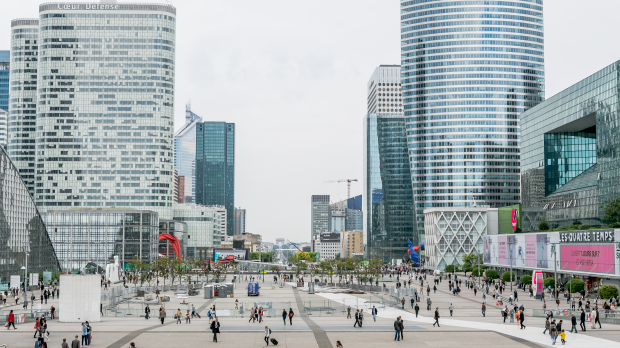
<point>105,106</point>
<point>469,68</point>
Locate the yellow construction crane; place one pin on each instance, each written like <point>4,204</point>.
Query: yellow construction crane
<point>348,181</point>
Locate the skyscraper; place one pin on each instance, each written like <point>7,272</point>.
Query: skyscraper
<point>105,106</point>
<point>384,94</point>
<point>468,70</point>
<point>185,154</point>
<point>387,197</point>
<point>239,221</point>
<point>5,64</point>
<point>23,98</point>
<point>215,167</point>
<point>320,211</point>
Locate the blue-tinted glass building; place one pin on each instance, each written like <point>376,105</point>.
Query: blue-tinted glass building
<point>5,63</point>
<point>215,167</point>
<point>468,69</point>
<point>570,167</point>
<point>387,198</point>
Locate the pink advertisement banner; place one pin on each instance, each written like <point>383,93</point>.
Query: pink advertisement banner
<point>530,251</point>
<point>590,258</point>
<point>502,250</point>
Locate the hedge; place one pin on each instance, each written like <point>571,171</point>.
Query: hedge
<point>549,283</point>
<point>450,269</point>
<point>526,279</point>
<point>491,273</point>
<point>506,276</point>
<point>608,291</point>
<point>575,285</point>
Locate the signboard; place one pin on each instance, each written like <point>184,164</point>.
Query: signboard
<point>34,279</point>
<point>236,254</point>
<point>588,258</point>
<point>15,281</point>
<point>530,251</point>
<point>542,251</point>
<point>511,245</point>
<point>509,219</point>
<point>47,277</point>
<point>502,250</point>
<point>397,261</point>
<point>587,237</point>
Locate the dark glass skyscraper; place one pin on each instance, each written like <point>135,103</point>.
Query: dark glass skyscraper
<point>215,167</point>
<point>5,58</point>
<point>388,197</point>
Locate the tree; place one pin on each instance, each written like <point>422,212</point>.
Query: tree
<point>549,282</point>
<point>608,291</point>
<point>492,274</point>
<point>506,276</point>
<point>526,280</point>
<point>612,211</point>
<point>450,269</point>
<point>470,261</point>
<point>575,285</point>
<point>543,225</point>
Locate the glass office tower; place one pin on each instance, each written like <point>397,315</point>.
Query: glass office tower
<point>387,197</point>
<point>22,231</point>
<point>215,167</point>
<point>469,68</point>
<point>105,106</point>
<point>5,63</point>
<point>185,155</point>
<point>23,97</point>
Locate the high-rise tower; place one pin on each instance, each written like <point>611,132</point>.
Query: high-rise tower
<point>23,98</point>
<point>469,68</point>
<point>105,106</point>
<point>185,155</point>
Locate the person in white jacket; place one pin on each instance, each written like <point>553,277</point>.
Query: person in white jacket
<point>267,332</point>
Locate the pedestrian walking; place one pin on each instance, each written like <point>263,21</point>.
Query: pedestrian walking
<point>84,335</point>
<point>417,309</point>
<point>402,328</point>
<point>547,325</point>
<point>251,315</point>
<point>573,322</point>
<point>267,334</point>
<point>436,317</point>
<point>291,314</point>
<point>484,310</point>
<point>178,315</point>
<point>357,318</point>
<point>284,315</point>
<point>349,312</point>
<point>598,318</point>
<point>75,343</point>
<point>215,328</point>
<point>397,329</point>
<point>428,303</point>
<point>373,311</point>
<point>521,319</point>
<point>188,318</point>
<point>553,333</point>
<point>402,303</point>
<point>412,301</point>
<point>11,321</point>
<point>451,308</point>
<point>194,310</point>
<point>582,319</point>
<point>147,311</point>
<point>162,314</point>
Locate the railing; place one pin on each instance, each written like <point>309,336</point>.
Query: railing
<point>610,316</point>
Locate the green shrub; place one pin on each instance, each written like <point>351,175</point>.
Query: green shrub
<point>506,276</point>
<point>543,225</point>
<point>450,269</point>
<point>549,282</point>
<point>575,285</point>
<point>584,227</point>
<point>492,274</point>
<point>526,280</point>
<point>608,291</point>
<point>475,271</point>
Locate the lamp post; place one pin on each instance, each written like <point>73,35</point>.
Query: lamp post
<point>555,269</point>
<point>511,257</point>
<point>478,269</point>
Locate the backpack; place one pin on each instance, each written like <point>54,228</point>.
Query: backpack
<point>270,331</point>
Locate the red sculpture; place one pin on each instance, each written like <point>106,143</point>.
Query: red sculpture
<point>174,241</point>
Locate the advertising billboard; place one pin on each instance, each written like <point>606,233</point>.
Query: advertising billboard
<point>511,245</point>
<point>509,219</point>
<point>588,258</point>
<point>486,254</point>
<point>501,245</point>
<point>230,254</point>
<point>542,251</point>
<point>530,251</point>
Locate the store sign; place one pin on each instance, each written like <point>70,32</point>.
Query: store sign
<point>588,258</point>
<point>587,237</point>
<point>88,7</point>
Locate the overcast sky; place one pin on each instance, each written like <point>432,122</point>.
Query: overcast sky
<point>292,75</point>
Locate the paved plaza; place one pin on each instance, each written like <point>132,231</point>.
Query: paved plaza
<point>466,328</point>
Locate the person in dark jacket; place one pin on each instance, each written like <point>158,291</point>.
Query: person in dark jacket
<point>436,317</point>
<point>75,343</point>
<point>398,325</point>
<point>417,309</point>
<point>521,319</point>
<point>147,312</point>
<point>284,316</point>
<point>215,328</point>
<point>582,320</point>
<point>573,322</point>
<point>597,320</point>
<point>291,314</point>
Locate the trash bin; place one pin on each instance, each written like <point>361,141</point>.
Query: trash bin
<point>208,290</point>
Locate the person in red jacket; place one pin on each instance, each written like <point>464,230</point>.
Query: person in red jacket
<point>11,321</point>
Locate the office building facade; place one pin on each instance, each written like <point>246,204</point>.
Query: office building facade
<point>185,155</point>
<point>105,112</point>
<point>384,94</point>
<point>5,67</point>
<point>320,212</point>
<point>239,221</point>
<point>569,170</point>
<point>23,98</point>
<point>203,228</point>
<point>338,220</point>
<point>85,236</point>
<point>4,137</point>
<point>175,229</point>
<point>22,231</point>
<point>468,70</point>
<point>215,167</point>
<point>388,198</point>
